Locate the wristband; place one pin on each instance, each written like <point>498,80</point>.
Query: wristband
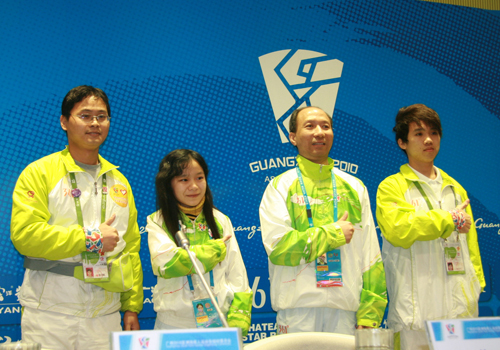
<point>458,218</point>
<point>93,241</point>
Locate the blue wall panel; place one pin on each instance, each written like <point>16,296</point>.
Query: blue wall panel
<point>187,74</point>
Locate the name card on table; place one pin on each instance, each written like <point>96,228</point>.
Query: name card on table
<point>464,334</point>
<point>185,339</point>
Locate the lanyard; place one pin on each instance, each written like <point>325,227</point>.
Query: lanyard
<point>306,199</point>
<point>190,280</point>
<point>422,192</point>
<point>76,193</point>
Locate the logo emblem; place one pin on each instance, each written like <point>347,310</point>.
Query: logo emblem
<point>451,328</point>
<point>144,342</point>
<point>118,194</point>
<point>299,78</point>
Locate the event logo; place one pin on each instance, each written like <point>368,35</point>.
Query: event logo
<point>250,229</point>
<point>7,339</point>
<point>30,197</point>
<point>262,330</point>
<point>148,294</point>
<point>298,199</point>
<point>451,328</point>
<point>272,163</point>
<point>480,224</point>
<point>10,309</point>
<point>299,78</point>
<point>119,195</point>
<point>289,162</point>
<point>144,342</point>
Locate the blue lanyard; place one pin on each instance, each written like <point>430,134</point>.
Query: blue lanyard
<point>306,199</point>
<point>189,278</point>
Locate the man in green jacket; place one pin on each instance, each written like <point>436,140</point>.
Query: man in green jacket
<point>430,249</point>
<point>73,215</point>
<point>325,265</point>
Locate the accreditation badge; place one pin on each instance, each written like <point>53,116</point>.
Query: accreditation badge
<point>205,314</point>
<point>329,269</point>
<point>95,267</point>
<point>453,257</point>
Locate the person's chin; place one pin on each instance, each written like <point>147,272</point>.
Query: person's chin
<point>192,202</point>
<point>94,140</point>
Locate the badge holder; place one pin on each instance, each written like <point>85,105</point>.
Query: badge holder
<point>329,270</point>
<point>205,313</point>
<point>95,267</point>
<point>183,242</point>
<point>454,259</point>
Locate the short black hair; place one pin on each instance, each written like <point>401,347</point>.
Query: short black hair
<point>415,113</point>
<point>78,94</point>
<point>293,117</point>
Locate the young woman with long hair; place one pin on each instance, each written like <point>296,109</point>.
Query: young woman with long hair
<point>184,202</point>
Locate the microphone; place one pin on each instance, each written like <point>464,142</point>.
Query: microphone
<point>183,242</point>
<point>181,239</point>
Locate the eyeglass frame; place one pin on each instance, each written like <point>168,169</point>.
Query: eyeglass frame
<point>96,117</point>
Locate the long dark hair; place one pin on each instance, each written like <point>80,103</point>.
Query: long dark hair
<point>171,166</point>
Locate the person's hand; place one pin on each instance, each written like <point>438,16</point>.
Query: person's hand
<point>467,217</point>
<point>363,327</point>
<point>346,226</point>
<point>109,235</point>
<point>130,321</point>
<point>226,238</point>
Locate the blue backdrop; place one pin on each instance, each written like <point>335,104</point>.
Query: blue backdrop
<point>220,77</point>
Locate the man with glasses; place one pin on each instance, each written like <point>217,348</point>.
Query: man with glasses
<point>325,266</point>
<point>73,211</point>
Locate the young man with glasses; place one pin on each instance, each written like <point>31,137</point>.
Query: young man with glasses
<point>74,211</point>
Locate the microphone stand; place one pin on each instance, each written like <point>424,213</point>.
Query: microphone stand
<point>184,243</point>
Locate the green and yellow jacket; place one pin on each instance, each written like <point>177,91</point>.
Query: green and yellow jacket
<point>44,226</point>
<point>415,226</point>
<point>293,247</point>
<point>172,296</point>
